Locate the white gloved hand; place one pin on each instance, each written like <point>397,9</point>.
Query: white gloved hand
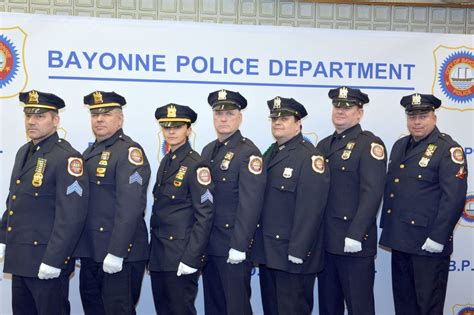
<point>112,264</point>
<point>295,260</point>
<point>352,246</point>
<point>432,246</point>
<point>235,256</point>
<point>2,250</point>
<point>184,269</point>
<point>48,272</point>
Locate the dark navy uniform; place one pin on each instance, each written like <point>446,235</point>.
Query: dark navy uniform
<point>292,220</point>
<point>424,196</point>
<point>358,165</point>
<point>236,165</point>
<point>181,220</point>
<point>45,213</point>
<point>119,173</point>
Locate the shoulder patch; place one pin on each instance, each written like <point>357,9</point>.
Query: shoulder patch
<point>255,165</point>
<point>377,151</point>
<point>203,176</point>
<point>75,166</point>
<point>457,155</point>
<point>135,156</point>
<point>318,164</point>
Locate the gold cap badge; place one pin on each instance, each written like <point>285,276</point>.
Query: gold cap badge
<point>33,97</point>
<point>97,97</point>
<point>171,111</point>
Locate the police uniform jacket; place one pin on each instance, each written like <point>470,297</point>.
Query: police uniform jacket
<point>295,198</point>
<point>238,198</point>
<point>424,194</point>
<point>182,212</point>
<point>358,165</point>
<point>44,218</point>
<point>119,174</point>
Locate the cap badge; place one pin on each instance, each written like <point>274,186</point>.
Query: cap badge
<point>222,95</point>
<point>416,99</point>
<point>97,98</point>
<point>171,111</point>
<point>343,92</point>
<point>277,103</point>
<point>33,97</point>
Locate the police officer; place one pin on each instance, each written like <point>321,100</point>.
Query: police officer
<point>358,163</point>
<point>289,242</point>
<point>424,196</point>
<point>114,244</point>
<point>46,211</point>
<point>236,165</point>
<point>182,215</point>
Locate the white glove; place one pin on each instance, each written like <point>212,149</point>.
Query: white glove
<point>112,264</point>
<point>295,260</point>
<point>352,246</point>
<point>432,246</point>
<point>184,269</point>
<point>2,250</point>
<point>235,256</point>
<point>48,272</point>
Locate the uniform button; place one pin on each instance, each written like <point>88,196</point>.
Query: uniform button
<point>10,212</point>
<point>402,165</point>
<point>170,238</point>
<point>59,140</point>
<point>412,221</point>
<point>9,229</point>
<point>389,211</point>
<point>396,180</point>
<point>345,218</point>
<point>278,236</point>
<point>129,250</point>
<point>130,245</point>
<point>101,229</point>
<point>282,187</point>
<point>98,182</point>
<point>155,198</point>
<point>258,225</point>
<point>36,194</point>
<point>226,225</point>
<point>159,185</point>
<point>309,254</point>
<point>223,179</point>
<point>343,168</point>
<point>35,243</point>
<point>392,195</point>
<point>172,197</point>
<point>65,262</point>
<point>68,258</point>
<point>327,160</point>
<point>14,197</point>
<point>18,181</point>
<point>419,176</point>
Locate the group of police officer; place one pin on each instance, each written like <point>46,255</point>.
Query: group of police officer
<point>298,212</point>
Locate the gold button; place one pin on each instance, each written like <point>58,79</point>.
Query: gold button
<point>98,182</point>
<point>282,187</point>
<point>345,218</point>
<point>223,179</point>
<point>18,181</point>
<point>35,243</point>
<point>396,180</point>
<point>10,212</point>
<point>9,229</point>
<point>419,176</point>
<point>392,195</point>
<point>343,168</point>
<point>170,238</point>
<point>402,165</point>
<point>36,194</point>
<point>389,211</point>
<point>226,225</point>
<point>65,262</point>
<point>412,221</point>
<point>14,197</point>
<point>129,250</point>
<point>172,197</point>
<point>101,229</point>
<point>278,236</point>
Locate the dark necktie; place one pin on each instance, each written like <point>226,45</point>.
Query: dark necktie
<point>167,161</point>
<point>217,147</point>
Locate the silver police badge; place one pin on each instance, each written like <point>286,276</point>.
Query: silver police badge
<point>287,172</point>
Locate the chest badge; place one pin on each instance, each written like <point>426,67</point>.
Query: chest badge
<point>346,154</point>
<point>287,172</point>
<point>425,159</point>
<point>226,161</point>
<point>39,171</point>
<point>179,178</point>
<point>103,162</point>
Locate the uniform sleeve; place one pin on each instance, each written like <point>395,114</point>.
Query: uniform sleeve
<point>372,173</point>
<point>72,195</point>
<point>311,197</point>
<point>252,179</point>
<point>132,178</point>
<point>3,225</point>
<point>202,189</point>
<point>453,184</point>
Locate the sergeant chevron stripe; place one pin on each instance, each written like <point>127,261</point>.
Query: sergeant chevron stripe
<point>135,178</point>
<point>74,187</point>
<point>207,196</point>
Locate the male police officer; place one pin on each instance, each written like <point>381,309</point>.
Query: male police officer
<point>289,242</point>
<point>114,244</point>
<point>46,211</point>
<point>182,216</point>
<point>358,163</point>
<point>236,165</point>
<point>424,197</point>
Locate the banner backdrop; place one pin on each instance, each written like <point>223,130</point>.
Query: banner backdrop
<point>155,63</point>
